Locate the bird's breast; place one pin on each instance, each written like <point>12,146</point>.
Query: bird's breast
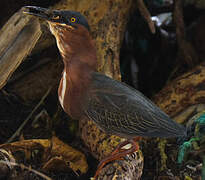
<point>72,94</point>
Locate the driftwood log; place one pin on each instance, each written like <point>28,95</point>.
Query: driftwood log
<point>17,39</point>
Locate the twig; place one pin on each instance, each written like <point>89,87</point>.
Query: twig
<point>186,51</point>
<point>179,20</point>
<point>145,13</point>
<point>27,168</point>
<point>29,116</point>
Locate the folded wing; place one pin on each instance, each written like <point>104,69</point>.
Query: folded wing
<point>119,109</point>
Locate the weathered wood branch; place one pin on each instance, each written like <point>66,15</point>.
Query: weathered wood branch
<point>17,39</point>
<point>145,13</point>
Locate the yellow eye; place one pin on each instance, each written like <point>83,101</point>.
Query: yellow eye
<point>73,19</point>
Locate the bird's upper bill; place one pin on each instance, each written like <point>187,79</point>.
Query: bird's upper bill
<point>47,14</point>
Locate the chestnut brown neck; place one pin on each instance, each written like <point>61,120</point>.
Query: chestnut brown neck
<point>79,57</point>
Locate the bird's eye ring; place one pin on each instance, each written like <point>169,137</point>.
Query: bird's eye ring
<point>73,19</point>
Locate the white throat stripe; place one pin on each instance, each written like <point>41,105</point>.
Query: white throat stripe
<point>63,89</point>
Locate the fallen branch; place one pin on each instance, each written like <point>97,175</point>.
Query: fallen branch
<point>186,51</point>
<point>17,38</point>
<point>145,13</point>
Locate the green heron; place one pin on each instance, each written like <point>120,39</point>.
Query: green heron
<point>115,107</point>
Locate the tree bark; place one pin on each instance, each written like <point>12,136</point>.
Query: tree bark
<point>107,20</point>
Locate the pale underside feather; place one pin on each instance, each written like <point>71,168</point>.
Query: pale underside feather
<point>63,89</point>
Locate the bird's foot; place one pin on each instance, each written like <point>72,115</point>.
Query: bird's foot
<point>120,151</point>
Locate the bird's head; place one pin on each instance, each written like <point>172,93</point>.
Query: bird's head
<point>70,29</point>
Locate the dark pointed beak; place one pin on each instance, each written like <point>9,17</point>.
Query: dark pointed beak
<point>37,11</point>
<point>44,13</point>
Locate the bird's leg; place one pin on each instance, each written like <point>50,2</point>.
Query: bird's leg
<point>118,153</point>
